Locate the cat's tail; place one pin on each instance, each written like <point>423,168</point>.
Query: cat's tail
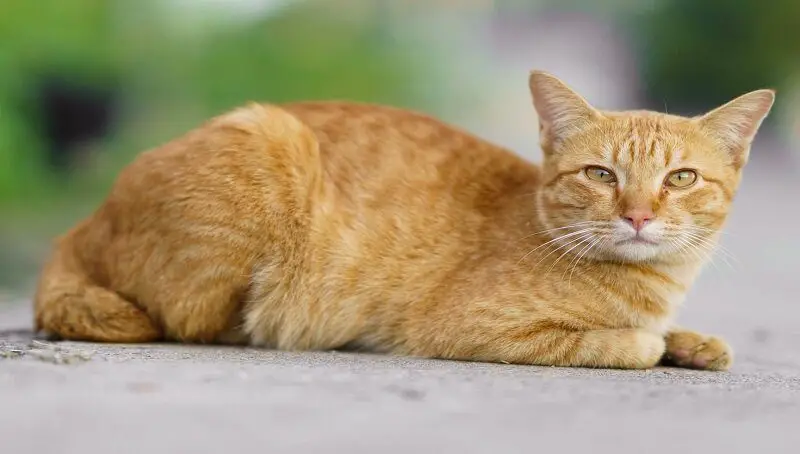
<point>70,306</point>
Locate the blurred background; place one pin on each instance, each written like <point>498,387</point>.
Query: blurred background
<point>85,85</point>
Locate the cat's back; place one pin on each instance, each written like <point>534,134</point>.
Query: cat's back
<point>369,129</point>
<point>353,143</point>
<point>362,142</point>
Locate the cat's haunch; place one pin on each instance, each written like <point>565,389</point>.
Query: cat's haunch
<point>321,225</point>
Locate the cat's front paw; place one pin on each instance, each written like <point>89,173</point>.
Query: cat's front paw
<point>696,351</point>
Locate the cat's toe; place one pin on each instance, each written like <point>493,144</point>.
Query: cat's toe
<point>713,354</point>
<point>695,351</point>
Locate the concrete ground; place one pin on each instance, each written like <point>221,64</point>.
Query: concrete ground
<point>95,399</point>
<point>85,398</point>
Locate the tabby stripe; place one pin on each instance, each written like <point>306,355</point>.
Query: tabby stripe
<point>575,347</point>
<point>667,156</point>
<point>651,147</point>
<point>725,190</point>
<point>561,175</point>
<point>634,144</point>
<point>650,272</point>
<point>565,205</point>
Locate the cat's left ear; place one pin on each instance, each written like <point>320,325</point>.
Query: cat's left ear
<point>734,125</point>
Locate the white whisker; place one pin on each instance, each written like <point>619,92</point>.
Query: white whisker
<point>573,241</point>
<point>707,230</point>
<point>585,239</point>
<point>553,241</point>
<point>580,255</point>
<point>712,247</point>
<point>701,248</point>
<point>685,245</point>
<point>577,224</point>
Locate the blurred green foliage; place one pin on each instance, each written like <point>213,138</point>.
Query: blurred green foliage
<point>35,37</point>
<point>172,76</point>
<point>700,54</point>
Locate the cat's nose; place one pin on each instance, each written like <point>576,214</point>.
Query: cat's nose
<point>638,218</point>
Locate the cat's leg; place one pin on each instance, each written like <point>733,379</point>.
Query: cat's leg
<point>609,348</point>
<point>204,306</point>
<point>201,305</point>
<point>85,312</point>
<point>697,351</point>
<point>70,306</point>
<point>205,316</point>
<point>613,348</point>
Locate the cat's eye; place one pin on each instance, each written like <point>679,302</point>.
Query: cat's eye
<point>600,174</point>
<point>681,178</point>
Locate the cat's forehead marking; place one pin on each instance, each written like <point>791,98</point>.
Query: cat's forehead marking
<point>647,141</point>
<point>643,150</point>
<point>636,148</point>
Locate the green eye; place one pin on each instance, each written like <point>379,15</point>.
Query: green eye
<point>682,178</point>
<point>600,174</point>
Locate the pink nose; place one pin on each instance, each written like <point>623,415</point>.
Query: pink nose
<point>638,218</point>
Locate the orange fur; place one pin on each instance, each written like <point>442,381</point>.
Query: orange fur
<point>339,225</point>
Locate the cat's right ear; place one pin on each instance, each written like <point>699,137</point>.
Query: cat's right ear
<point>734,125</point>
<point>562,112</point>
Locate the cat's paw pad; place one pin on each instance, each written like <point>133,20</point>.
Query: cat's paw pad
<point>696,351</point>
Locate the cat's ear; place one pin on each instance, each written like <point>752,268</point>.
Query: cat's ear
<point>562,112</point>
<point>734,124</point>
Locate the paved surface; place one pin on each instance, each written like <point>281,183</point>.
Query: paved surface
<point>169,399</point>
<point>93,399</point>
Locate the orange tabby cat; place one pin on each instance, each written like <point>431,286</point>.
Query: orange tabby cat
<point>339,225</point>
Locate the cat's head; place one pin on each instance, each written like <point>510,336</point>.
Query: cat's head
<point>639,185</point>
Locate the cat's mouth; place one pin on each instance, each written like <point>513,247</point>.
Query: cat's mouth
<point>636,240</point>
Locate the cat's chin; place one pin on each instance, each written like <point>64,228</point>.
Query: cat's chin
<point>637,250</point>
